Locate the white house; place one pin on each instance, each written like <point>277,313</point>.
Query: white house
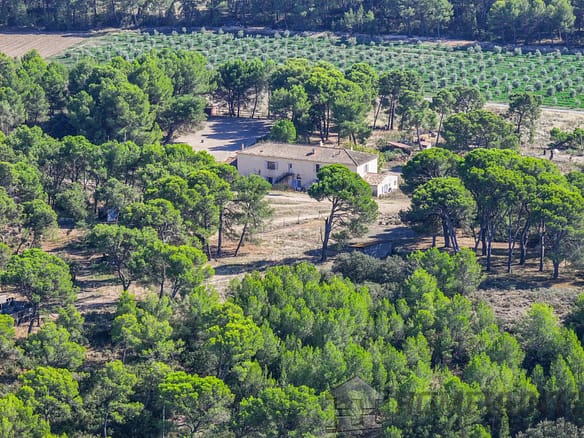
<point>382,183</point>
<point>297,165</point>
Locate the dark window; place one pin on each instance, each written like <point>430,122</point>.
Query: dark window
<point>271,165</point>
<point>317,167</point>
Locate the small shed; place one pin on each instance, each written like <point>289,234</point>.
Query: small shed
<point>406,148</point>
<point>357,406</point>
<point>382,183</point>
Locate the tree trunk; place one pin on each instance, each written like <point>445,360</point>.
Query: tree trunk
<point>240,240</point>
<point>523,244</point>
<point>325,240</point>
<point>453,238</point>
<point>489,248</point>
<point>477,239</point>
<point>509,249</point>
<point>207,249</point>
<point>446,234</point>
<point>105,421</point>
<point>541,249</point>
<point>125,283</point>
<point>556,269</point>
<point>327,122</point>
<point>483,242</point>
<point>169,136</point>
<point>32,318</point>
<point>255,104</point>
<point>377,110</point>
<point>161,290</point>
<point>439,129</point>
<point>220,233</point>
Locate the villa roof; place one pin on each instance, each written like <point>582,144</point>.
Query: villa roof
<point>316,154</point>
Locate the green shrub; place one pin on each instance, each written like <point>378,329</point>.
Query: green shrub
<point>283,131</point>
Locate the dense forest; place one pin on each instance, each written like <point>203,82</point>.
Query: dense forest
<point>90,147</point>
<point>507,20</point>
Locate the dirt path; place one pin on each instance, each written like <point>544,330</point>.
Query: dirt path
<point>295,233</point>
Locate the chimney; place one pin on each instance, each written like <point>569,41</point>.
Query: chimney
<point>242,146</point>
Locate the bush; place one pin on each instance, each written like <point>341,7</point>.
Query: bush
<point>456,274</point>
<point>283,131</point>
<point>559,429</point>
<point>360,268</point>
<point>72,203</point>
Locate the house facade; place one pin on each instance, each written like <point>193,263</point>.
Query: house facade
<point>297,165</point>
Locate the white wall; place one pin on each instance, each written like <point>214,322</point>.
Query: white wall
<point>363,169</point>
<point>390,183</point>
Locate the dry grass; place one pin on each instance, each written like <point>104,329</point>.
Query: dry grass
<point>565,119</point>
<point>511,305</point>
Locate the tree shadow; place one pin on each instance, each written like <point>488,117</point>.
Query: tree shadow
<point>97,325</point>
<point>235,132</point>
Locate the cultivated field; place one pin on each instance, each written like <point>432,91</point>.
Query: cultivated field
<point>47,44</point>
<point>554,74</point>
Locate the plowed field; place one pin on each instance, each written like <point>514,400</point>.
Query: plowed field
<point>47,44</point>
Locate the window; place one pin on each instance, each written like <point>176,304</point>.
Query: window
<point>289,166</point>
<point>317,167</point>
<point>271,165</point>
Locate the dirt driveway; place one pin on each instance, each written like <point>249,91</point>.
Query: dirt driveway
<point>222,137</point>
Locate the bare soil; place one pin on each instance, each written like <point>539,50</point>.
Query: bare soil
<point>47,44</point>
<point>563,118</point>
<point>295,234</point>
